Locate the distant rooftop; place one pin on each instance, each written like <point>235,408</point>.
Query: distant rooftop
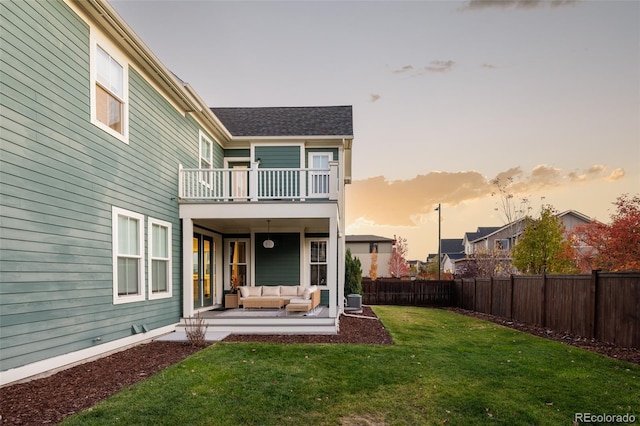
<point>482,232</point>
<point>367,239</point>
<point>287,121</point>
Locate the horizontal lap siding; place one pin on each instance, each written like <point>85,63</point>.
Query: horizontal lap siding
<point>281,264</point>
<point>61,175</point>
<point>273,157</point>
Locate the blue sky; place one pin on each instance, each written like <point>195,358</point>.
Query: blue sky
<point>447,95</point>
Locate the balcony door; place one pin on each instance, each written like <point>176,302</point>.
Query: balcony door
<point>319,175</point>
<point>239,183</point>
<point>204,271</point>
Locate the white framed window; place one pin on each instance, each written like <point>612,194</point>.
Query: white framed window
<point>500,245</point>
<point>109,89</point>
<point>318,262</point>
<point>237,253</point>
<point>159,263</point>
<point>206,158</point>
<point>128,256</point>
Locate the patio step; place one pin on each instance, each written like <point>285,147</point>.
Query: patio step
<point>307,325</point>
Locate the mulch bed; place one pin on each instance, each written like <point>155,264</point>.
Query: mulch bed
<point>50,399</point>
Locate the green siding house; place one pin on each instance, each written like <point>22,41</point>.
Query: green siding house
<point>127,204</point>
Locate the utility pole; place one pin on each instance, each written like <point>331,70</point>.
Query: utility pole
<point>439,239</point>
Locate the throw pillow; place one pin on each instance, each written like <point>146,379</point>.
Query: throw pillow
<point>307,293</point>
<point>255,291</point>
<point>288,290</point>
<point>244,291</point>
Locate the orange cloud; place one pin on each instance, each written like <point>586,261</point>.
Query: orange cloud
<point>403,202</point>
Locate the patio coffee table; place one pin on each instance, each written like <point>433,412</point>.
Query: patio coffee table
<point>264,303</point>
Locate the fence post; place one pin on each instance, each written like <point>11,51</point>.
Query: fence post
<point>593,298</point>
<point>510,298</point>
<point>491,295</point>
<point>475,294</point>
<point>544,300</point>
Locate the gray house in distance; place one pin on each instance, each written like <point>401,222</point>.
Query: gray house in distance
<point>128,204</point>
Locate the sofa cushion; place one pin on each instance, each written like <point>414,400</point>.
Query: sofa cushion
<point>299,301</point>
<point>244,291</point>
<point>307,293</point>
<point>288,290</point>
<point>255,291</point>
<point>271,291</point>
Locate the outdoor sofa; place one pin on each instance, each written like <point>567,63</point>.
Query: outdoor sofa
<point>293,298</point>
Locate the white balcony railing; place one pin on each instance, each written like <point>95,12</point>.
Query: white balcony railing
<point>256,184</point>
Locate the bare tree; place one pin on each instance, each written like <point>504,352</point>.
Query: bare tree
<point>513,210</point>
<point>398,266</point>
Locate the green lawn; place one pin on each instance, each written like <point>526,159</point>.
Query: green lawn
<point>443,369</point>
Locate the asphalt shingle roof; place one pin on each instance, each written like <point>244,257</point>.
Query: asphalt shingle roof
<point>482,232</point>
<point>287,121</point>
<point>451,245</point>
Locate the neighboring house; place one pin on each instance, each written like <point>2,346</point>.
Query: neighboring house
<point>363,246</point>
<point>472,241</point>
<point>415,267</point>
<point>451,249</point>
<point>503,239</point>
<point>128,204</point>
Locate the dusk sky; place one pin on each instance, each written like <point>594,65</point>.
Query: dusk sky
<point>446,95</point>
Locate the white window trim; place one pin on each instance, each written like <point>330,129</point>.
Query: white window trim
<point>116,211</point>
<point>169,292</point>
<point>202,136</point>
<point>308,260</point>
<point>205,177</point>
<point>227,261</point>
<point>97,39</point>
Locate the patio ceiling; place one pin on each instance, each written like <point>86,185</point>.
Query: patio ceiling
<point>230,225</point>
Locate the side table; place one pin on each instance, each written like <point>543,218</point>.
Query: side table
<point>231,300</point>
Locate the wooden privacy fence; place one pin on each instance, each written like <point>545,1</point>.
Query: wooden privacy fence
<point>603,305</point>
<point>390,291</point>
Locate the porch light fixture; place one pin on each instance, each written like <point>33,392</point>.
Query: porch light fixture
<point>268,243</point>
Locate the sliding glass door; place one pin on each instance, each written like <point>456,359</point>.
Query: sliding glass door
<point>203,271</point>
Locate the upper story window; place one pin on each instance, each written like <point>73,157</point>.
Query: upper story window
<point>206,152</point>
<point>109,89</point>
<point>502,244</point>
<point>373,247</point>
<point>206,159</point>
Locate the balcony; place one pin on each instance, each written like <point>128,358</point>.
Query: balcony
<point>259,184</point>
